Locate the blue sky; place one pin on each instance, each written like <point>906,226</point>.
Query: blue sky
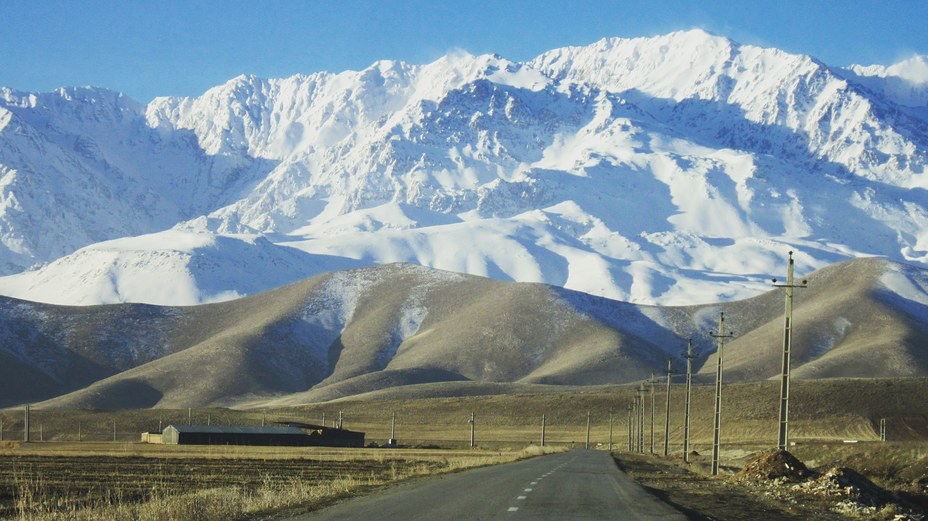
<point>173,47</point>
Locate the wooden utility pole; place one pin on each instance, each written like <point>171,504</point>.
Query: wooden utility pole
<point>686,406</point>
<point>667,412</point>
<point>783,435</point>
<point>26,426</point>
<point>720,338</point>
<point>473,423</point>
<point>393,426</point>
<point>882,429</point>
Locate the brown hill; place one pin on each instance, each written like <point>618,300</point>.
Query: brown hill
<point>392,326</point>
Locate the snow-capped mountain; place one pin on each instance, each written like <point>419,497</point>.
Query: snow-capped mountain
<point>675,169</point>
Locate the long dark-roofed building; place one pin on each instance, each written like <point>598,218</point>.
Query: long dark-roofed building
<point>293,434</point>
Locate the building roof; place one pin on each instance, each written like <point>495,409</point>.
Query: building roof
<point>227,429</point>
<point>314,427</point>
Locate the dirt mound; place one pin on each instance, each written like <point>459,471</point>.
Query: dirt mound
<point>917,474</point>
<point>774,464</point>
<point>845,483</point>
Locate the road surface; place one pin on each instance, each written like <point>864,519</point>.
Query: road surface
<point>568,486</point>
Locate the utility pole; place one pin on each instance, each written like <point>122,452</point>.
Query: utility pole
<point>587,429</point>
<point>720,338</point>
<point>393,426</point>
<point>323,418</point>
<point>610,429</point>
<point>667,412</point>
<point>189,416</point>
<point>686,407</point>
<point>783,436</point>
<point>651,382</point>
<point>882,429</point>
<point>341,420</point>
<point>629,407</point>
<point>544,423</point>
<point>473,423</point>
<point>114,430</point>
<point>26,426</point>
<point>641,418</point>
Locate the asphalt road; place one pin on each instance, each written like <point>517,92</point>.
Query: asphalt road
<point>568,486</point>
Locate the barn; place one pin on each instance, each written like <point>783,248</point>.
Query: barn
<point>293,434</point>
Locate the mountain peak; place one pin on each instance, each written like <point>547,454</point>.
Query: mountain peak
<point>637,169</point>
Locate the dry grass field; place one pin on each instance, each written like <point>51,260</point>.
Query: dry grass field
<point>61,477</point>
<point>114,480</point>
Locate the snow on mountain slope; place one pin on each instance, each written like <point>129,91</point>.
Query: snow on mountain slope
<point>169,268</point>
<point>905,82</point>
<point>79,166</point>
<point>674,169</point>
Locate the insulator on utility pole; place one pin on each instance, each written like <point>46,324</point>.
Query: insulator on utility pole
<point>667,411</point>
<point>783,432</point>
<point>720,338</point>
<point>686,405</point>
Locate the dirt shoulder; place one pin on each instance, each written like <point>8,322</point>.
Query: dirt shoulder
<point>733,498</point>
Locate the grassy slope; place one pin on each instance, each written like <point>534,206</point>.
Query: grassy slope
<point>376,329</point>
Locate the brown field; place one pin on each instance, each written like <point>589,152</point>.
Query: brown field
<point>59,476</point>
<point>115,480</point>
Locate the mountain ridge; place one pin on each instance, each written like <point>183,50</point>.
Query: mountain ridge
<point>392,326</point>
<point>637,169</point>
